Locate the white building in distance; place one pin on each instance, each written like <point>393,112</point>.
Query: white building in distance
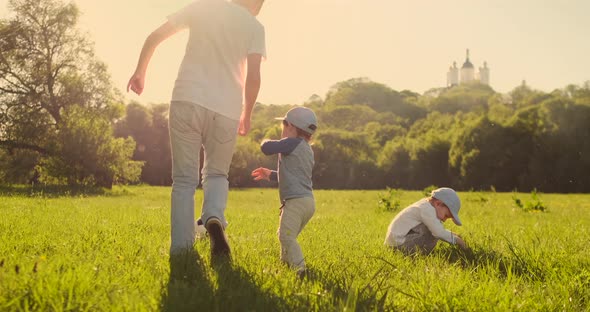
<point>467,73</point>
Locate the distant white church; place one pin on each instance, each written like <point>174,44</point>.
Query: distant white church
<point>468,73</point>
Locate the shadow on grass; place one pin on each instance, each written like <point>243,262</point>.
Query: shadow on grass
<point>518,262</point>
<point>54,191</point>
<point>348,295</point>
<point>238,291</point>
<point>188,287</point>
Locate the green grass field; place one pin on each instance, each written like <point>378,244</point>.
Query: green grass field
<point>108,251</point>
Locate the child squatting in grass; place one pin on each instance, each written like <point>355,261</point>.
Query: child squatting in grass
<point>294,172</point>
<point>418,227</point>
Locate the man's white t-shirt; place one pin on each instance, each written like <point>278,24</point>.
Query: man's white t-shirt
<point>214,68</point>
<point>419,212</point>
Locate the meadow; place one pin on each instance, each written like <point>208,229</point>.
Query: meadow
<point>66,250</point>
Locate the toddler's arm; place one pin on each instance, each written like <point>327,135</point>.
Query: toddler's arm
<point>283,146</point>
<point>459,241</point>
<point>264,174</point>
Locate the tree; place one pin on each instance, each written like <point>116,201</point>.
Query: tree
<point>561,135</point>
<point>148,126</point>
<point>487,154</point>
<point>429,161</point>
<point>382,132</point>
<point>345,160</point>
<point>346,117</point>
<point>379,97</point>
<point>248,157</point>
<point>90,154</point>
<point>466,98</point>
<point>47,67</point>
<point>394,161</point>
<point>580,94</point>
<point>15,166</point>
<point>524,95</point>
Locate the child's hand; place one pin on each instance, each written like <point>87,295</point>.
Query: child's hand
<point>261,174</point>
<point>460,242</point>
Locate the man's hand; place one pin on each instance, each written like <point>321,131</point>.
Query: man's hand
<point>261,174</point>
<point>244,127</point>
<point>136,83</point>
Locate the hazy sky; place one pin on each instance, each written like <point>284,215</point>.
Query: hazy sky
<point>312,44</point>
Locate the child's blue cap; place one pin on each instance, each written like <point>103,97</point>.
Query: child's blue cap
<point>451,199</point>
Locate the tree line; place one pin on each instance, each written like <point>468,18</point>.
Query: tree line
<point>63,122</point>
<point>468,137</point>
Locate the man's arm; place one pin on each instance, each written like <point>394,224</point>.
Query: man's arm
<point>251,92</point>
<point>137,81</point>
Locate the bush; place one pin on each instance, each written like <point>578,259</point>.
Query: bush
<point>427,191</point>
<point>535,204</point>
<point>390,201</point>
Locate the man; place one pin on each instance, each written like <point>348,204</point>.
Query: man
<point>214,94</point>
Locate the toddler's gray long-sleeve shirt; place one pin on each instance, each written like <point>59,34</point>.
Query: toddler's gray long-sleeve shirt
<point>295,166</point>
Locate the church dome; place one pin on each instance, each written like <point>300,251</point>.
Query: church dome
<point>467,63</point>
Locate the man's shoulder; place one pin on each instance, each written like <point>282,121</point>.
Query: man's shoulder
<point>237,9</point>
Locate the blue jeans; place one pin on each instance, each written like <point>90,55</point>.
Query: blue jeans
<point>192,127</point>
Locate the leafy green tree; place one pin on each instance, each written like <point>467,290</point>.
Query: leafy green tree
<point>524,95</point>
<point>579,94</point>
<point>429,161</point>
<point>437,124</point>
<point>465,97</point>
<point>490,141</point>
<point>16,164</point>
<point>379,97</point>
<point>264,117</point>
<point>247,157</point>
<point>346,117</point>
<point>345,160</point>
<point>487,154</point>
<point>148,126</point>
<point>394,162</point>
<point>382,132</point>
<point>159,160</point>
<point>500,113</point>
<point>47,67</point>
<point>89,153</point>
<point>559,160</point>
<point>314,101</point>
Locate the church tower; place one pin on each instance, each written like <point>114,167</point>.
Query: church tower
<point>453,75</point>
<point>484,74</point>
<point>467,70</point>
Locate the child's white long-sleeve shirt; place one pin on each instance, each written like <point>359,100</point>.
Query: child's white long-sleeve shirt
<point>419,212</point>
